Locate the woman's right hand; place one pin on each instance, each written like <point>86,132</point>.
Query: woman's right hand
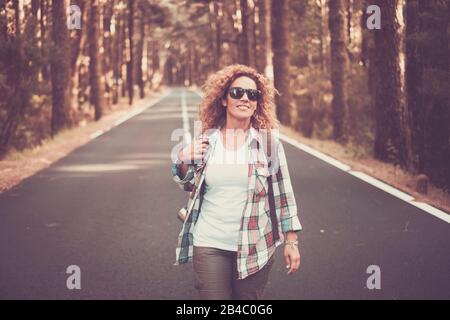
<point>194,152</point>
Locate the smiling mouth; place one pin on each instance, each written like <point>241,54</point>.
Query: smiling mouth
<point>243,107</point>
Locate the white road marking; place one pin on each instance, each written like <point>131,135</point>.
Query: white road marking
<point>381,185</point>
<point>185,115</point>
<point>369,179</point>
<point>315,153</point>
<point>432,210</point>
<point>96,134</point>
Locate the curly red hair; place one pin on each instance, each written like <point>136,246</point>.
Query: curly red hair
<point>212,114</point>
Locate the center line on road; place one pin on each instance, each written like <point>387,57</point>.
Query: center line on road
<point>185,115</point>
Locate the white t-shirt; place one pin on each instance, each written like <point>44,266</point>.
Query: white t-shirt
<point>224,200</point>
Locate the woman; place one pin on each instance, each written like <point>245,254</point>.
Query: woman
<point>241,205</point>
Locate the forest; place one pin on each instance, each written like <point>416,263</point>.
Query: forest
<point>372,75</point>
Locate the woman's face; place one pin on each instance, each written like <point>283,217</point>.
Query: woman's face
<point>242,108</point>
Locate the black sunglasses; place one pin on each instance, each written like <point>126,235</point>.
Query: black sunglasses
<point>237,93</point>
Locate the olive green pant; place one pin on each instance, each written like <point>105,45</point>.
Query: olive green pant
<point>216,276</point>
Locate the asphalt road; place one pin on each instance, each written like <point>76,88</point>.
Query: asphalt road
<point>110,208</point>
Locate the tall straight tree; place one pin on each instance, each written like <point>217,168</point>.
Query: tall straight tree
<point>413,74</point>
<point>218,13</point>
<point>107,9</point>
<point>33,23</point>
<point>389,133</point>
<point>366,36</point>
<point>130,62</point>
<point>428,83</point>
<point>140,49</point>
<point>156,61</point>
<point>339,69</point>
<point>43,29</point>
<point>212,19</point>
<point>123,51</point>
<point>367,56</point>
<point>3,22</point>
<point>119,54</point>
<point>349,9</point>
<point>60,68</point>
<point>16,76</point>
<point>248,35</point>
<point>95,63</point>
<point>77,42</point>
<point>232,36</point>
<point>281,61</point>
<point>263,44</point>
<point>320,8</point>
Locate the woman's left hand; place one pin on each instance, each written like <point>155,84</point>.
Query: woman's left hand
<point>292,258</point>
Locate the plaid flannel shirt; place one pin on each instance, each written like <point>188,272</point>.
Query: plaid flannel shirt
<point>256,243</point>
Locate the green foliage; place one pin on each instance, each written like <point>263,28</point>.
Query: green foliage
<point>431,85</point>
<point>313,101</point>
<point>312,97</point>
<point>158,15</point>
<point>304,32</point>
<point>20,61</point>
<point>361,111</point>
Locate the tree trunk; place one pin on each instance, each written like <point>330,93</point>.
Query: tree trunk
<point>365,35</point>
<point>155,57</point>
<point>229,9</point>
<point>3,22</point>
<point>34,19</point>
<point>17,6</point>
<point>43,27</point>
<point>107,39</point>
<point>190,69</point>
<point>116,58</point>
<point>95,63</point>
<point>389,136</point>
<point>31,27</point>
<point>281,61</point>
<point>428,85</point>
<point>123,60</point>
<point>60,68</point>
<point>349,10</point>
<point>339,69</point>
<point>218,23</point>
<point>321,13</point>
<point>212,36</point>
<point>413,73</point>
<point>16,76</point>
<point>76,44</point>
<point>149,61</point>
<point>244,35</point>
<point>196,60</point>
<point>140,53</point>
<point>268,71</point>
<point>130,62</point>
<point>263,45</point>
<point>248,38</point>
<point>368,56</point>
